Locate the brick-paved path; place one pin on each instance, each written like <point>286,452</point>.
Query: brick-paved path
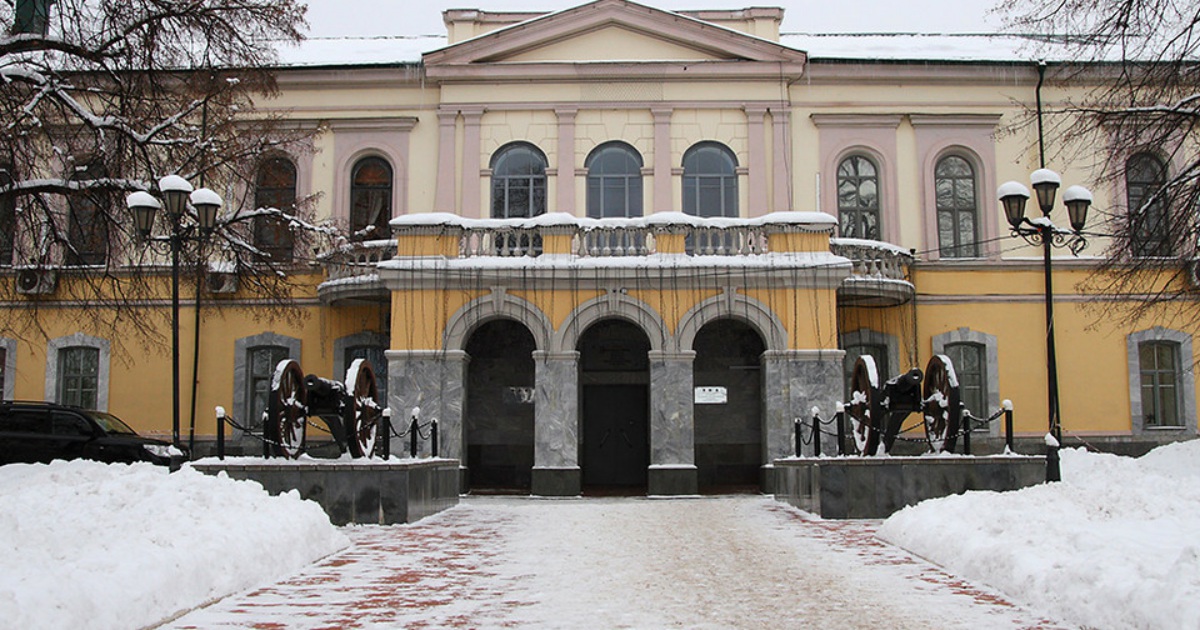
<point>605,563</point>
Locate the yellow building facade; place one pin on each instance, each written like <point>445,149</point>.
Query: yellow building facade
<point>620,246</point>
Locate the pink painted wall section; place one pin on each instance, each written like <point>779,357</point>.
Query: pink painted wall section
<point>971,137</point>
<point>757,176</point>
<point>354,139</point>
<point>873,135</point>
<point>663,201</point>
<point>471,164</point>
<point>443,199</point>
<point>781,126</point>
<point>565,186</point>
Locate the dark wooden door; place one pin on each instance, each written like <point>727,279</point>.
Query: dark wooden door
<point>616,437</point>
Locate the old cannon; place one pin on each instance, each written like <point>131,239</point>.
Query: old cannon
<point>876,411</point>
<point>350,409</point>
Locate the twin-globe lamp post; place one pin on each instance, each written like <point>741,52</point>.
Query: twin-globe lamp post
<point>176,193</point>
<point>1041,231</point>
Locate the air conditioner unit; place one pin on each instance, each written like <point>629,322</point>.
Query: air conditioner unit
<point>222,282</point>
<point>37,281</point>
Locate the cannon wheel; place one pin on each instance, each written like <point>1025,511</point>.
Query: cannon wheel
<point>864,408</point>
<point>942,412</point>
<point>364,424</point>
<point>287,410</point>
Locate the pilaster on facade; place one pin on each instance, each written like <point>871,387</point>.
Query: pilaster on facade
<point>565,176</point>
<point>431,383</point>
<point>663,181</point>
<point>471,162</point>
<point>556,470</point>
<point>757,147</point>
<point>781,155</point>
<point>443,198</point>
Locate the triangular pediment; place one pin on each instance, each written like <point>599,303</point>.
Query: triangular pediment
<point>612,31</point>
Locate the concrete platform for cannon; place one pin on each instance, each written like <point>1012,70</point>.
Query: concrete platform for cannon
<point>875,487</point>
<point>369,492</point>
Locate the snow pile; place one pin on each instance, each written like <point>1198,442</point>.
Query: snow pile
<point>1112,546</point>
<point>91,545</point>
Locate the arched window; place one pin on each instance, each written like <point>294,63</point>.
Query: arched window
<point>710,181</point>
<point>970,366</point>
<point>87,222</point>
<point>8,217</point>
<point>275,187</point>
<point>518,181</point>
<point>957,208</point>
<point>371,198</point>
<point>614,181</point>
<point>1145,175</point>
<point>858,197</point>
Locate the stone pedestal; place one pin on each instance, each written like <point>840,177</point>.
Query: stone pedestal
<point>556,424</point>
<point>672,424</point>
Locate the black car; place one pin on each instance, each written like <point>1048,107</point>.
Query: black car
<point>32,432</point>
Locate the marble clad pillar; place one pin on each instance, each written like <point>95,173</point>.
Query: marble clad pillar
<point>795,381</point>
<point>432,380</point>
<point>556,469</point>
<point>672,424</point>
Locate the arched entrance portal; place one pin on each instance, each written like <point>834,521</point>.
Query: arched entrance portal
<point>614,378</point>
<point>729,448</point>
<point>499,400</point>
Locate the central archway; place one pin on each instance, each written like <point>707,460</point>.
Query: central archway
<point>614,378</point>
<point>729,445</point>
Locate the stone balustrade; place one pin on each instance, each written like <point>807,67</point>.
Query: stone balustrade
<point>358,259</point>
<point>879,275</point>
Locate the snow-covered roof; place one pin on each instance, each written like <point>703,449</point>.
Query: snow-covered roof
<point>921,47</point>
<point>358,51</point>
<point>955,47</point>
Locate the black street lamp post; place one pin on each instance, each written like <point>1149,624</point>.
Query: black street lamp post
<point>1041,231</point>
<point>176,193</point>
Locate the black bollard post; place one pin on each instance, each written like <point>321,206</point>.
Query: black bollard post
<point>387,434</point>
<point>1053,472</point>
<point>816,432</point>
<point>433,438</point>
<point>840,420</point>
<point>413,430</point>
<point>220,433</point>
<point>266,445</point>
<point>964,417</point>
<point>1008,426</point>
<point>799,438</point>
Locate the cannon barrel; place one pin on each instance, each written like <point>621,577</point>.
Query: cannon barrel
<point>904,383</point>
<point>324,396</point>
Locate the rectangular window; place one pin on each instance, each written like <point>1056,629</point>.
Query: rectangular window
<point>261,361</point>
<point>970,367</point>
<point>79,376</point>
<point>1159,370</point>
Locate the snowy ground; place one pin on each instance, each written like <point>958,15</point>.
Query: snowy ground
<point>90,545</point>
<point>728,562</point>
<point>84,545</point>
<point>1115,545</point>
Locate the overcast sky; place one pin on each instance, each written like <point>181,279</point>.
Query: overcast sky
<point>334,18</point>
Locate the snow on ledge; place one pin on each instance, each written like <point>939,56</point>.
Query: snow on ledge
<point>814,221</point>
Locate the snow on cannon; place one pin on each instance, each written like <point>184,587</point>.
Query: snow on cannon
<point>350,409</point>
<point>877,411</point>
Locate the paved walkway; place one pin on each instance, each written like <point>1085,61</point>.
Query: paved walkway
<point>729,562</point>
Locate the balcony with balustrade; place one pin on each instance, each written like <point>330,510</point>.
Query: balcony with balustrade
<point>439,248</point>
